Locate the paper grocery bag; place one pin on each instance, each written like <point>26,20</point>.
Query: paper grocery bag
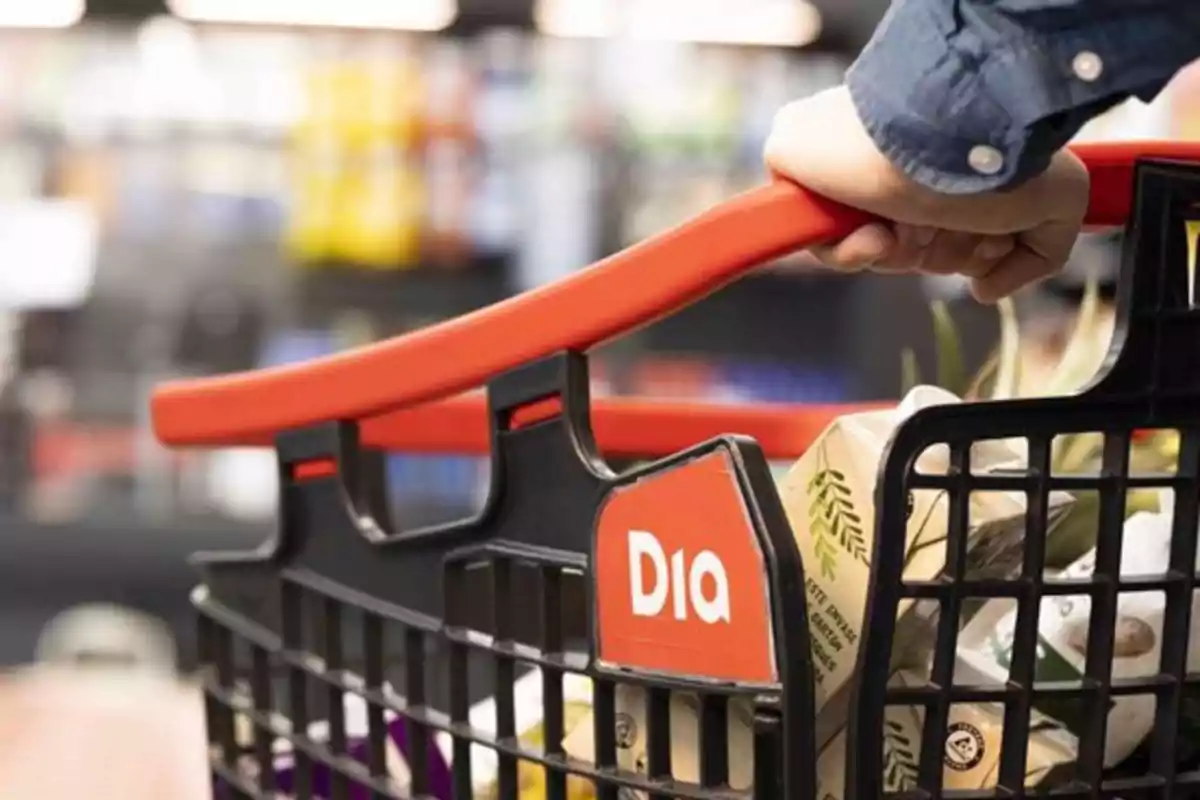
<point>829,498</point>
<point>685,734</point>
<point>971,754</point>
<point>985,644</point>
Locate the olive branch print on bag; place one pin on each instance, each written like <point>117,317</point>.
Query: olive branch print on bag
<point>832,521</point>
<point>899,763</point>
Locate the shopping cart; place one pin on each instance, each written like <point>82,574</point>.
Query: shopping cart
<point>419,623</point>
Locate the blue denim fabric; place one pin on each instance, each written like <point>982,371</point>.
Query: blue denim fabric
<point>941,77</point>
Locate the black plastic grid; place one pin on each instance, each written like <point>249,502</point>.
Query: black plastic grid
<point>533,543</point>
<point>1151,383</point>
<point>419,624</point>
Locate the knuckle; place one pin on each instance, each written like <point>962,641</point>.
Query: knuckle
<point>785,130</point>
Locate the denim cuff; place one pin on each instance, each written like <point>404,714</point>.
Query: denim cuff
<point>947,88</point>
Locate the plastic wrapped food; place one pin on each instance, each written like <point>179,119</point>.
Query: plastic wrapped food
<point>985,646</point>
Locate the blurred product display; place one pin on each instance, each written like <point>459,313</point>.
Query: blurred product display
<point>198,197</point>
<point>184,199</point>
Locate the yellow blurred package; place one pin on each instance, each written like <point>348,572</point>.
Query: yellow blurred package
<point>316,177</point>
<point>528,704</point>
<point>378,223</point>
<point>317,167</point>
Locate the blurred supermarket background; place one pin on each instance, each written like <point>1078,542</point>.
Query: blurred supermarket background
<point>202,186</point>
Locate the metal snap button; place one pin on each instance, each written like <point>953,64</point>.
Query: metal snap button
<point>985,159</point>
<point>1087,66</point>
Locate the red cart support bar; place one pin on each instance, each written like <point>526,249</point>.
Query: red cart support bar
<point>622,427</point>
<point>381,383</point>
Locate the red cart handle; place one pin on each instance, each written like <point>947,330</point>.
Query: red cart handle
<point>381,383</point>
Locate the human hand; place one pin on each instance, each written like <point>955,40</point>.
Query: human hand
<point>1001,241</point>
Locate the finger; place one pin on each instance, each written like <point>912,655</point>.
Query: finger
<point>908,253</point>
<point>867,245</point>
<point>829,256</point>
<point>970,255</point>
<point>989,251</point>
<point>1038,254</point>
<point>1019,270</point>
<point>949,253</point>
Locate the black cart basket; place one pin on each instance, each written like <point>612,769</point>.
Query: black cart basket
<point>441,636</point>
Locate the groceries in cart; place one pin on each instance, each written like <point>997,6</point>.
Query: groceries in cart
<point>528,710</point>
<point>828,495</point>
<point>829,498</point>
<point>986,643</point>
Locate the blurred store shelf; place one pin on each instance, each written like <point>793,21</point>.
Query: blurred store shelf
<point>47,569</point>
<point>259,194</point>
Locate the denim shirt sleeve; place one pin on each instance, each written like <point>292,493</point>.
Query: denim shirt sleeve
<point>942,79</point>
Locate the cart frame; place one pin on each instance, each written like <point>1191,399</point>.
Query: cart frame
<point>550,536</point>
